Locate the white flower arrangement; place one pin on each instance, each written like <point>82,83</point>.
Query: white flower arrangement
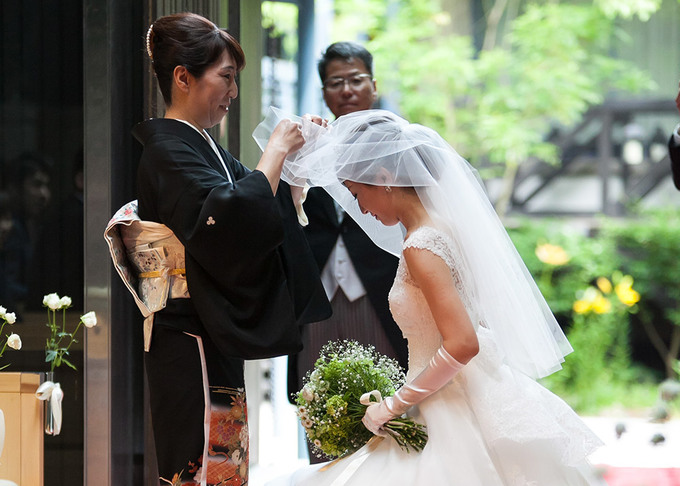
<point>11,340</point>
<point>329,404</point>
<point>55,351</point>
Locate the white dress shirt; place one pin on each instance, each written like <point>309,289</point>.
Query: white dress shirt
<point>339,270</point>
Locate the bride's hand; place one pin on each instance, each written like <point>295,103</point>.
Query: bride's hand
<point>377,415</point>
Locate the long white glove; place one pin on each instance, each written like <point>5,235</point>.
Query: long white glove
<point>441,369</point>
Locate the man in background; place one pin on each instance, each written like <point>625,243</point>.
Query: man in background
<point>357,275</point>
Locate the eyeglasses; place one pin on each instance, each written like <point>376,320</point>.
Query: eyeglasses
<point>337,84</point>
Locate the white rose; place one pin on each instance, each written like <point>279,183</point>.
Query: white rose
<point>14,341</point>
<point>11,317</point>
<point>89,319</point>
<point>52,301</point>
<point>307,394</point>
<point>65,301</point>
<point>2,310</point>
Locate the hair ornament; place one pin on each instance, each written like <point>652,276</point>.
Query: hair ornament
<point>148,42</point>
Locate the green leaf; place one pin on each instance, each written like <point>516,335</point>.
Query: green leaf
<point>68,363</point>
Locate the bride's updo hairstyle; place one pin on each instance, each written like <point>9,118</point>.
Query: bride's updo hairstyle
<point>189,40</point>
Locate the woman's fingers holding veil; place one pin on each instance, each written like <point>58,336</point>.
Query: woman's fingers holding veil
<point>287,136</point>
<point>316,119</point>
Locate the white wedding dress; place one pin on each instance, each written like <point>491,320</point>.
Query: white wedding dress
<point>489,426</point>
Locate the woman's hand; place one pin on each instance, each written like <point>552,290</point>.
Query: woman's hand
<point>284,140</point>
<point>286,137</point>
<point>316,119</point>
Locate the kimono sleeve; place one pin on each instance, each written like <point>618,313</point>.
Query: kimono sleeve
<point>232,234</point>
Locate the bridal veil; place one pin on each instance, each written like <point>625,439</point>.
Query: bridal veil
<point>380,148</point>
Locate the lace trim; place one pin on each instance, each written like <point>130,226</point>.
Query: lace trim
<point>433,240</point>
<point>438,243</point>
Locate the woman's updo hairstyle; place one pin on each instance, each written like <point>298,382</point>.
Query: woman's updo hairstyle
<point>189,40</point>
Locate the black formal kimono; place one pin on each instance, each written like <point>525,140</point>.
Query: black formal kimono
<point>252,282</point>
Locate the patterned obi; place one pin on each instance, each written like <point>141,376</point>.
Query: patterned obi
<point>150,260</point>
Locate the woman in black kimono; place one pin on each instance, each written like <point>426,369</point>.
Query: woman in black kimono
<point>237,270</point>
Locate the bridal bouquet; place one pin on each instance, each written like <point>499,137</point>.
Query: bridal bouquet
<point>330,406</point>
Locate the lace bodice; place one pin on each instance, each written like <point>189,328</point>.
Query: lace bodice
<point>407,302</point>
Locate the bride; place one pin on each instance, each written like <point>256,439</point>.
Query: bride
<point>479,331</point>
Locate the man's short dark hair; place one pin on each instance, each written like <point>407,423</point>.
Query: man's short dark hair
<point>345,51</point>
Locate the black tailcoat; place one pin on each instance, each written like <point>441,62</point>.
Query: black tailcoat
<point>674,152</point>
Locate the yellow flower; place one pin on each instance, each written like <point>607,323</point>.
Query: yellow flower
<point>552,254</point>
<point>625,292</point>
<point>592,300</point>
<point>604,285</point>
<point>602,304</point>
<point>581,306</point>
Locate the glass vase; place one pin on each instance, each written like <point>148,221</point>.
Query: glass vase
<point>49,418</point>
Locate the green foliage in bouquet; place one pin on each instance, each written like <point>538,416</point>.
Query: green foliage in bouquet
<point>329,404</point>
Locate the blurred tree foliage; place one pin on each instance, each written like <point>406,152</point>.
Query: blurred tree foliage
<point>599,285</point>
<point>649,244</point>
<point>538,66</point>
<point>280,21</point>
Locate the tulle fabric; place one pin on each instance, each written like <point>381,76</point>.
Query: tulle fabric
<point>380,148</point>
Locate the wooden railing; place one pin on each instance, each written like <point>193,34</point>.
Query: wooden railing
<point>596,143</point>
